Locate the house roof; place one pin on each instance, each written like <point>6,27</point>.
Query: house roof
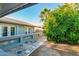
<point>7,8</point>
<point>14,21</point>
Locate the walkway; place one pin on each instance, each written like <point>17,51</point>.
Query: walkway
<point>51,49</point>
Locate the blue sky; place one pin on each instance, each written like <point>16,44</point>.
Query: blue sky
<point>31,14</point>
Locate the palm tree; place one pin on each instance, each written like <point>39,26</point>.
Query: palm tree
<point>44,14</point>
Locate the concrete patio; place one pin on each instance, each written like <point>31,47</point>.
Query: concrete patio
<point>51,49</point>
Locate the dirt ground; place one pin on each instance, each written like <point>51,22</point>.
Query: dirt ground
<point>51,49</point>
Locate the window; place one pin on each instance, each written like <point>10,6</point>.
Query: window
<point>26,32</point>
<point>29,31</point>
<point>12,30</point>
<point>4,31</point>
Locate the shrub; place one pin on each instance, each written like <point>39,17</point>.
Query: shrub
<point>62,24</point>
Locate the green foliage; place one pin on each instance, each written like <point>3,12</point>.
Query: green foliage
<point>61,24</point>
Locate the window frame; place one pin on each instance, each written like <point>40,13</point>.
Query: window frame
<point>3,33</point>
<point>13,31</point>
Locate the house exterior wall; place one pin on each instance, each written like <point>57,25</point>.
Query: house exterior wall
<point>19,29</point>
<point>17,40</point>
<point>8,26</point>
<point>30,30</point>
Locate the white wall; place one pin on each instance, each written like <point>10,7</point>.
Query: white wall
<point>8,25</point>
<point>31,29</point>
<point>22,29</point>
<point>19,29</point>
